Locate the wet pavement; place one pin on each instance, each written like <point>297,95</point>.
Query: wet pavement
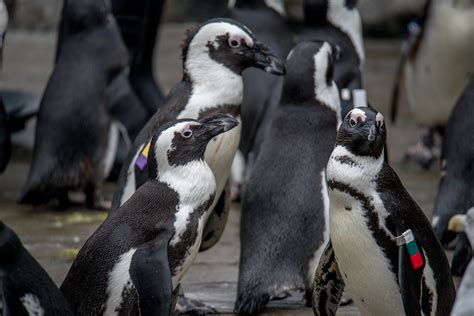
<point>54,237</point>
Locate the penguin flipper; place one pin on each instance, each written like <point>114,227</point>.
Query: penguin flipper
<point>410,282</point>
<point>151,276</point>
<point>217,219</point>
<point>328,285</point>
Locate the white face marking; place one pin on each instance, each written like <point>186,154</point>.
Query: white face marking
<point>119,279</point>
<point>32,305</point>
<point>328,95</point>
<point>213,83</point>
<point>314,262</point>
<point>357,115</point>
<point>349,21</point>
<point>379,119</point>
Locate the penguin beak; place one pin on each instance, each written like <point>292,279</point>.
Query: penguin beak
<point>266,60</point>
<point>372,133</point>
<point>217,124</point>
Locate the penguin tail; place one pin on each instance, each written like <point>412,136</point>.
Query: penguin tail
<point>248,303</point>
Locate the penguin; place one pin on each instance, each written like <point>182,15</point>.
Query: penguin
<point>139,22</point>
<point>464,223</point>
<point>75,140</point>
<point>284,197</point>
<point>439,47</point>
<point>134,262</point>
<point>381,247</point>
<point>214,55</point>
<point>25,287</point>
<point>129,114</point>
<point>457,177</point>
<point>339,22</point>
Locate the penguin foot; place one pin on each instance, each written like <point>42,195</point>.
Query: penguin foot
<point>235,190</point>
<point>186,305</point>
<point>252,304</point>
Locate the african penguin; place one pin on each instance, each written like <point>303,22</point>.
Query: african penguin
<point>286,194</point>
<point>124,106</point>
<point>464,305</point>
<point>136,259</point>
<point>214,55</point>
<point>441,47</point>
<point>25,287</point>
<point>455,194</point>
<point>382,247</point>
<point>75,139</point>
<point>339,22</point>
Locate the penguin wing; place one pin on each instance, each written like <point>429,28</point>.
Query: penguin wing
<point>151,275</point>
<point>217,220</point>
<point>409,281</point>
<point>328,285</point>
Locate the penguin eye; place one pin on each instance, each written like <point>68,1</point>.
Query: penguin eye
<point>187,133</point>
<point>234,43</point>
<point>352,122</point>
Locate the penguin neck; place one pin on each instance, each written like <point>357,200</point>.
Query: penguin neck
<point>212,85</point>
<point>349,22</point>
<point>346,167</point>
<point>194,181</point>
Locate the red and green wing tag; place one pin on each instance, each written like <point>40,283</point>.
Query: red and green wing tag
<point>408,239</point>
<point>142,159</point>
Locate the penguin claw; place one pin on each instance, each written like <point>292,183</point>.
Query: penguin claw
<point>186,305</point>
<point>251,305</point>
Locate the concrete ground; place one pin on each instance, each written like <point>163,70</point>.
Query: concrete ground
<point>53,237</point>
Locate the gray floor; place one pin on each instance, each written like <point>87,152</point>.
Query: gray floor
<point>53,237</point>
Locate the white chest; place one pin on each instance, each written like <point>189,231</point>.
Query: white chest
<point>363,265</point>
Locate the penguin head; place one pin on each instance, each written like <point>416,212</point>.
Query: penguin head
<point>224,43</point>
<point>183,141</point>
<point>309,74</point>
<point>363,132</point>
<point>10,245</point>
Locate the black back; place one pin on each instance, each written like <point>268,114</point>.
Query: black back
<point>146,216</point>
<point>282,208</point>
<point>73,122</point>
<point>21,274</point>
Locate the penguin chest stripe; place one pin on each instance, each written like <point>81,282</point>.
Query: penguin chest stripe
<point>383,239</point>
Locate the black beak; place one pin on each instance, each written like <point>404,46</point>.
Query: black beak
<point>217,124</point>
<point>372,133</point>
<point>266,60</point>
